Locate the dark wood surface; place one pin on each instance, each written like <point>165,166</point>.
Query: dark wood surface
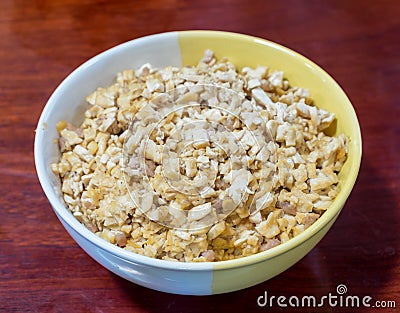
<point>42,41</point>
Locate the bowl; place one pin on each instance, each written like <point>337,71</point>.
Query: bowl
<point>180,49</point>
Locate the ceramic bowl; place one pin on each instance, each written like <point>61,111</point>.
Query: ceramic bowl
<point>180,49</point>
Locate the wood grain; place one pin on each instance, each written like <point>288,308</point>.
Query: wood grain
<point>357,42</point>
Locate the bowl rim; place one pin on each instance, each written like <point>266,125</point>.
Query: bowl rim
<point>67,217</point>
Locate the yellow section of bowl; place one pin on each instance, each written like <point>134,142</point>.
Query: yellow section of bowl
<point>245,50</point>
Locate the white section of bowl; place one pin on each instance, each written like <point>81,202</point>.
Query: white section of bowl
<point>160,50</point>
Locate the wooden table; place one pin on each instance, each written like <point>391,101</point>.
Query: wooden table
<point>42,41</point>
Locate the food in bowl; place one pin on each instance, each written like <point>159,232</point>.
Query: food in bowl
<point>200,163</point>
<point>180,49</point>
